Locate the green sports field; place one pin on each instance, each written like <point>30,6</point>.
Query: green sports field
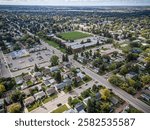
<point>73,35</point>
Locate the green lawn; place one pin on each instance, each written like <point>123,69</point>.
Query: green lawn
<point>55,45</point>
<point>49,98</point>
<point>87,78</point>
<point>34,106</point>
<point>61,109</point>
<point>73,35</point>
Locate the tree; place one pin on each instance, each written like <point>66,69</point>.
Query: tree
<point>131,82</point>
<point>123,70</point>
<point>105,107</point>
<point>58,77</point>
<point>132,56</point>
<point>75,83</point>
<point>2,89</point>
<point>68,88</point>
<point>54,60</point>
<point>75,56</point>
<point>116,80</point>
<point>70,101</point>
<point>63,58</point>
<point>36,68</point>
<point>90,108</point>
<point>115,53</point>
<point>105,94</point>
<point>14,108</point>
<point>66,58</point>
<point>16,96</point>
<point>145,79</point>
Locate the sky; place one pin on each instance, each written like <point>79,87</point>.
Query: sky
<point>76,2</point>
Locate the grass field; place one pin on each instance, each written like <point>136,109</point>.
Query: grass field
<point>61,109</point>
<point>73,35</point>
<point>55,45</point>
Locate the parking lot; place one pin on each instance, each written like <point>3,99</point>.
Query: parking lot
<point>39,58</point>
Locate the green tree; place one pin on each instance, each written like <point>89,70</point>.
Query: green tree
<point>36,68</point>
<point>145,79</point>
<point>54,60</point>
<point>123,70</point>
<point>105,107</point>
<point>105,94</point>
<point>70,101</point>
<point>14,108</point>
<point>2,89</point>
<point>58,77</point>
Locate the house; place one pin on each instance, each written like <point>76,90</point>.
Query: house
<point>1,105</point>
<point>46,83</point>
<point>24,86</point>
<point>8,100</point>
<point>52,81</point>
<point>29,101</point>
<point>60,86</point>
<point>114,100</point>
<point>27,78</point>
<point>37,74</point>
<point>39,87</point>
<point>81,75</point>
<point>39,95</point>
<point>67,64</point>
<point>26,92</point>
<point>79,107</point>
<point>46,71</point>
<point>146,97</point>
<point>146,92</point>
<point>131,75</point>
<point>54,69</point>
<point>19,80</point>
<point>85,101</point>
<point>67,82</point>
<point>98,96</point>
<point>50,91</point>
<point>46,77</point>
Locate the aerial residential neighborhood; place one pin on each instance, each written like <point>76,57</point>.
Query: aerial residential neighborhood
<point>74,59</point>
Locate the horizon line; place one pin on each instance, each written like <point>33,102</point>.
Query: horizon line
<point>72,5</point>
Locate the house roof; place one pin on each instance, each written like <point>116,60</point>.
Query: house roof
<point>1,102</point>
<point>55,68</point>
<point>50,91</point>
<point>39,95</point>
<point>114,100</point>
<point>29,100</point>
<point>60,86</point>
<point>79,107</point>
<point>85,101</point>
<point>81,75</point>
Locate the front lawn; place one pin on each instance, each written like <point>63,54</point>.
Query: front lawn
<point>61,109</point>
<point>49,98</point>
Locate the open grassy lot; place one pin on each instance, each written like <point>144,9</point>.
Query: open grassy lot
<point>55,45</point>
<point>61,109</point>
<point>73,35</point>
